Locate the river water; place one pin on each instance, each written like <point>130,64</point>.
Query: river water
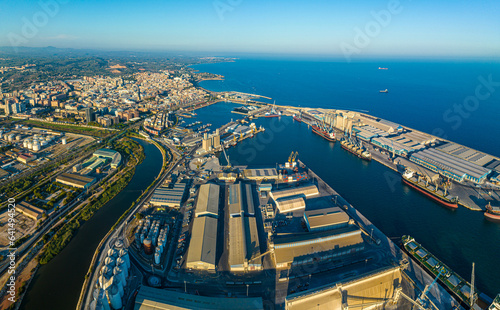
<point>57,285</point>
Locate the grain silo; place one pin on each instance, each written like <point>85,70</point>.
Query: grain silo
<point>114,297</point>
<point>125,257</point>
<point>148,246</point>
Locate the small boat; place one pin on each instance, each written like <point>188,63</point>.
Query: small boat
<point>380,68</point>
<point>492,213</point>
<point>384,91</point>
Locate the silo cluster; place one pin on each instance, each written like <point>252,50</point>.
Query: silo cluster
<point>152,236</point>
<point>112,279</point>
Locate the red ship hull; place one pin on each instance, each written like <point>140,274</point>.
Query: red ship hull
<point>492,216</point>
<point>433,197</point>
<point>298,119</point>
<point>322,133</point>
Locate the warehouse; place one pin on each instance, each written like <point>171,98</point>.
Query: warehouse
<point>201,254</point>
<point>208,201</point>
<point>303,248</point>
<point>398,148</point>
<point>234,200</point>
<point>244,244</point>
<point>30,210</point>
<point>356,293</point>
<point>169,197</point>
<point>250,208</point>
<point>115,156</point>
<point>470,155</point>
<point>305,191</point>
<point>260,174</point>
<point>326,219</point>
<point>292,204</point>
<point>150,298</point>
<point>450,166</point>
<point>75,180</point>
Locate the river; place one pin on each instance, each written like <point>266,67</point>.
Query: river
<point>57,285</point>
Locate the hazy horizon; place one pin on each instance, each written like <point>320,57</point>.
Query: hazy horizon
<point>415,29</point>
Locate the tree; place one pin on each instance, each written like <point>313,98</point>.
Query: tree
<point>139,216</point>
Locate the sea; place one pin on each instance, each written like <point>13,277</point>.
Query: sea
<point>455,100</point>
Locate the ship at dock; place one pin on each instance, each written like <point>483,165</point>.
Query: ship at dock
<point>273,112</point>
<point>298,118</point>
<point>492,212</point>
<point>354,147</point>
<point>323,131</point>
<point>413,180</point>
<point>451,281</point>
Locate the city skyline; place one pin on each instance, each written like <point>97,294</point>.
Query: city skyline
<point>366,29</point>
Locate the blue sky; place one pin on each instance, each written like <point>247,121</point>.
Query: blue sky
<point>335,27</point>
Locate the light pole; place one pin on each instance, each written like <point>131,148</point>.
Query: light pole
<point>248,285</point>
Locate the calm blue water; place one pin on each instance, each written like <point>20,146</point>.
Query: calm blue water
<point>417,92</point>
<point>420,93</point>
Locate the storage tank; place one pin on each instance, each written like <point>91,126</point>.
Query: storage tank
<point>48,138</point>
<point>148,246</point>
<point>103,301</point>
<point>63,140</point>
<point>36,147</point>
<point>104,280</point>
<point>18,138</point>
<point>43,143</point>
<point>25,143</point>
<point>30,145</point>
<point>157,257</point>
<point>125,257</point>
<point>114,297</point>
<point>118,272</point>
<point>119,284</point>
<point>112,253</point>
<point>10,137</point>
<point>110,262</point>
<point>123,266</point>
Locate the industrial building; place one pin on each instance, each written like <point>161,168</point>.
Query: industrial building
<point>30,210</point>
<point>326,219</point>
<point>260,174</point>
<point>303,248</point>
<point>150,298</point>
<point>244,246</point>
<point>207,203</point>
<point>367,132</point>
<point>75,180</point>
<point>115,156</point>
<point>202,247</point>
<point>211,142</point>
<point>372,290</point>
<point>450,166</point>
<point>396,146</point>
<point>168,197</point>
<point>470,155</point>
<point>290,204</point>
<point>302,191</point>
<point>241,201</point>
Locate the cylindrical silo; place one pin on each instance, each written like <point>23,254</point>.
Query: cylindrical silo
<point>119,284</point>
<point>63,140</point>
<point>112,253</point>
<point>114,297</point>
<point>18,138</point>
<point>118,272</point>
<point>36,147</point>
<point>125,257</point>
<point>120,262</point>
<point>157,257</point>
<point>110,261</point>
<point>148,246</point>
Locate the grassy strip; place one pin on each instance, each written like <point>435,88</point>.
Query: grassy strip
<point>68,128</point>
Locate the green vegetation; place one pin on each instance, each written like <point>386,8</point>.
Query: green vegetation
<point>134,153</point>
<point>69,128</point>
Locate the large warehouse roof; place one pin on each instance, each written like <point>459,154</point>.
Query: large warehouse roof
<point>203,243</point>
<point>291,246</point>
<point>258,174</point>
<point>208,200</point>
<point>250,208</point>
<point>75,180</point>
<point>234,200</point>
<point>290,204</point>
<point>451,163</point>
<point>150,298</point>
<point>324,218</point>
<point>307,191</point>
<point>237,243</point>
<point>172,197</point>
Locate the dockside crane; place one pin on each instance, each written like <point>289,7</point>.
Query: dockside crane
<point>225,155</point>
<point>421,299</point>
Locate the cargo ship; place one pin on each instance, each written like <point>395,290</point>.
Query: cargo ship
<point>352,147</point>
<point>273,112</point>
<point>453,283</point>
<point>492,213</point>
<point>297,118</point>
<point>326,134</point>
<point>410,179</point>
